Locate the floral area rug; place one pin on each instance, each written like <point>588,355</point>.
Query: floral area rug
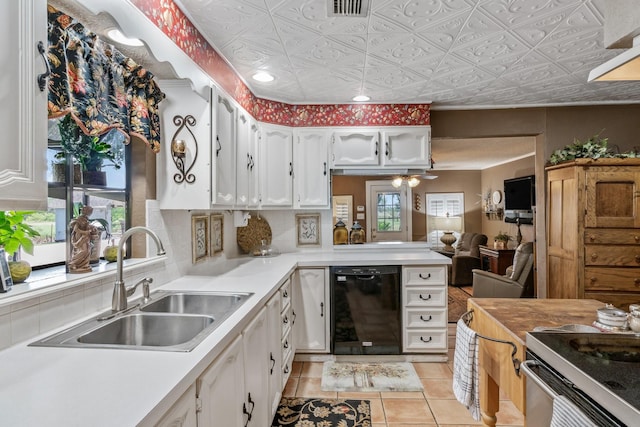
<point>301,412</point>
<point>348,376</point>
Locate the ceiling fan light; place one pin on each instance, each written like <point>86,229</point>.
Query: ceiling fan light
<point>397,182</point>
<point>413,181</point>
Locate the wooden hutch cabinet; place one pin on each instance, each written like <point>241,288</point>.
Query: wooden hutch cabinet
<point>593,235</point>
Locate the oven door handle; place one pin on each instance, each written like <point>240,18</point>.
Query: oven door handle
<point>526,368</point>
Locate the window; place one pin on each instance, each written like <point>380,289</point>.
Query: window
<point>388,208</point>
<point>441,205</point>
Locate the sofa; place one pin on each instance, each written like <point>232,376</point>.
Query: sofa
<point>466,258</point>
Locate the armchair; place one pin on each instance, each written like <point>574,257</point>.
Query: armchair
<point>466,258</point>
<point>517,283</point>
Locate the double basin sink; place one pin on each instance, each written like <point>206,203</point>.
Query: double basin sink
<point>171,321</point>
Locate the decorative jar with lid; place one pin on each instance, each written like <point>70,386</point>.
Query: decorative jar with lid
<point>340,233</point>
<point>356,236</point>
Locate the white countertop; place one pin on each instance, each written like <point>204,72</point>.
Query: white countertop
<point>46,386</point>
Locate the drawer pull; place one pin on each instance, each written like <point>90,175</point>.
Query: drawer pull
<point>273,363</point>
<point>285,320</point>
<point>425,299</point>
<point>638,258</point>
<point>428,340</point>
<point>285,294</point>
<point>425,320</point>
<point>286,344</point>
<point>636,281</point>
<point>593,280</point>
<point>592,237</point>
<point>427,277</point>
<point>286,369</point>
<point>636,238</point>
<point>594,256</point>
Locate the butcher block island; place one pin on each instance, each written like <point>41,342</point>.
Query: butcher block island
<point>509,320</point>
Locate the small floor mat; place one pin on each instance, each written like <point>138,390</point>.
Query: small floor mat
<point>351,376</point>
<point>301,412</point>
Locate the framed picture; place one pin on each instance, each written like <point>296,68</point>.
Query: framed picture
<point>308,229</point>
<point>217,228</point>
<point>5,274</point>
<point>199,237</point>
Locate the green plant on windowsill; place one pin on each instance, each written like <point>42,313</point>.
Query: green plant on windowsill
<point>593,148</point>
<point>87,150</point>
<point>16,234</point>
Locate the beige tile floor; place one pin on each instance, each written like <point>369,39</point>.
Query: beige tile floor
<point>435,406</point>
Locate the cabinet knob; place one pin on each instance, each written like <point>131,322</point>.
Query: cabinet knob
<point>637,258</point>
<point>285,320</point>
<point>636,238</point>
<point>592,237</point>
<point>636,281</point>
<point>594,256</point>
<point>593,280</point>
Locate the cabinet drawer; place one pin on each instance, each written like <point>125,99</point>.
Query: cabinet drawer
<point>425,340</point>
<point>617,236</point>
<point>287,365</point>
<point>612,279</point>
<point>421,318</point>
<point>285,295</point>
<point>424,276</point>
<point>286,345</point>
<point>613,256</point>
<point>620,300</point>
<point>285,323</point>
<point>425,297</point>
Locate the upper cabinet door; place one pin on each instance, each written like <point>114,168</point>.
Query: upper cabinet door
<point>191,189</point>
<point>612,197</point>
<point>23,112</point>
<point>407,147</point>
<point>355,148</point>
<point>311,169</point>
<point>243,159</point>
<point>276,166</point>
<point>224,152</point>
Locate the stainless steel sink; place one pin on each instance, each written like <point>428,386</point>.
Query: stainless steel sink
<point>172,321</point>
<point>213,304</point>
<point>145,330</point>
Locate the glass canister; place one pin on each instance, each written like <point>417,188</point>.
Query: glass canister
<point>356,235</point>
<point>340,233</point>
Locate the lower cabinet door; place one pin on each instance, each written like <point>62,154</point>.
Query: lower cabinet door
<point>256,372</point>
<point>182,413</point>
<point>221,390</point>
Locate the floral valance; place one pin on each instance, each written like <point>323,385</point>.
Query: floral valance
<point>97,85</point>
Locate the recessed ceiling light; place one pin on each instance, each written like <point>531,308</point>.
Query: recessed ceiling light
<point>117,36</point>
<point>263,76</point>
<point>361,98</point>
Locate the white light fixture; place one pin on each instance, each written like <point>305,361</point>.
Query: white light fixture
<point>361,98</point>
<point>396,182</point>
<point>625,66</point>
<point>263,77</point>
<point>116,35</point>
<point>411,181</point>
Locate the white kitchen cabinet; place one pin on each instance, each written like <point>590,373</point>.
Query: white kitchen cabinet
<point>407,146</point>
<point>424,312</point>
<point>224,151</point>
<point>246,161</point>
<point>23,112</point>
<point>257,403</point>
<point>220,389</point>
<point>355,147</point>
<point>276,166</point>
<point>182,413</point>
<point>274,335</point>
<point>392,147</point>
<point>311,304</point>
<point>311,168</point>
<point>173,189</point>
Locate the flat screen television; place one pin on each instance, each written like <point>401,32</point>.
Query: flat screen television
<point>519,199</point>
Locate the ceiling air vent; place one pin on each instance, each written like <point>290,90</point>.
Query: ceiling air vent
<point>357,8</point>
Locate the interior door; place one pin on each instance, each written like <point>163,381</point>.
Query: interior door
<point>388,213</point>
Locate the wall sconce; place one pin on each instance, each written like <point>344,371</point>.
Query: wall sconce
<point>179,149</point>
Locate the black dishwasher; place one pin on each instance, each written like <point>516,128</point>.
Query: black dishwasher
<point>365,310</point>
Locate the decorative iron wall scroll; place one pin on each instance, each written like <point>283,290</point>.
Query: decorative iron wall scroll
<point>179,149</point>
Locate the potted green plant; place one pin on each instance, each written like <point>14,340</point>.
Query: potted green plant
<point>593,148</point>
<point>16,234</point>
<point>501,240</point>
<point>89,151</point>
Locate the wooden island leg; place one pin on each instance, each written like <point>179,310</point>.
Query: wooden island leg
<point>489,398</point>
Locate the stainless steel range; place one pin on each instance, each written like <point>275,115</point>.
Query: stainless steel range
<point>599,372</point>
